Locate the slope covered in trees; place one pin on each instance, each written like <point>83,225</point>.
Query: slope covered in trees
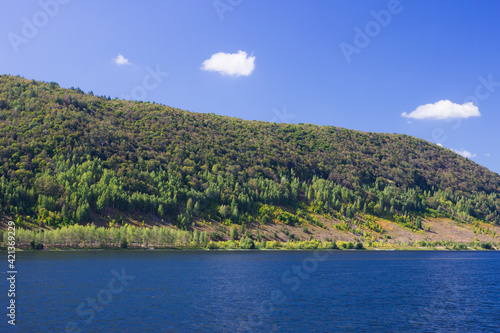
<point>66,154</point>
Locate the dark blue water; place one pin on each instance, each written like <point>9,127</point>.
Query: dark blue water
<point>257,291</point>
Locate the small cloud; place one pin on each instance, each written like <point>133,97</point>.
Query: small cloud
<point>233,64</point>
<point>487,154</point>
<point>444,109</point>
<point>464,153</point>
<point>408,122</point>
<point>121,60</point>
<point>439,144</point>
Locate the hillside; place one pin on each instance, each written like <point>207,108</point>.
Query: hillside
<point>68,157</point>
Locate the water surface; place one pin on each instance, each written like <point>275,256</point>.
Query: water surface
<point>257,291</point>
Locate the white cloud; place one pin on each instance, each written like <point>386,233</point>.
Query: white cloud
<point>464,153</point>
<point>439,144</point>
<point>121,60</point>
<point>444,109</point>
<point>487,154</point>
<point>233,64</point>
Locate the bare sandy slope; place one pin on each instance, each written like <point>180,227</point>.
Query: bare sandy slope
<point>438,229</point>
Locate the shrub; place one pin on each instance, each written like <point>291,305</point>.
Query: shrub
<point>211,245</point>
<point>233,233</point>
<point>247,243</point>
<point>486,246</point>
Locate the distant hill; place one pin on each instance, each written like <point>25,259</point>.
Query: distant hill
<point>67,157</point>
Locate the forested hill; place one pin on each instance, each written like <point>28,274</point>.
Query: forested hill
<point>68,153</point>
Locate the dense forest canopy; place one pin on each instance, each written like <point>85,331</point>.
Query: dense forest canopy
<point>65,154</point>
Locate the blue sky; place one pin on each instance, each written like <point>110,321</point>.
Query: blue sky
<point>354,64</point>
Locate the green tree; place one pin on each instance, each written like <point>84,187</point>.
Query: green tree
<point>233,233</point>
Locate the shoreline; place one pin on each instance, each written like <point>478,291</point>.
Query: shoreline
<point>182,249</point>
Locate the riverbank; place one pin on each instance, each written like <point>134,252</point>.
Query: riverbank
<point>176,249</point>
<point>129,237</point>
